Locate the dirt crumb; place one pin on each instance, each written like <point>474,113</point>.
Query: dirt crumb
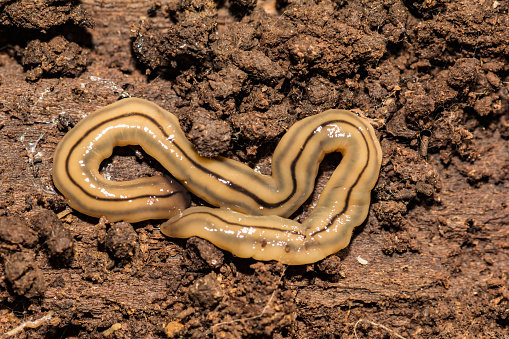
<point>121,240</point>
<point>227,82</point>
<point>399,242</point>
<point>332,267</point>
<point>210,137</point>
<point>43,14</point>
<point>24,275</point>
<point>213,256</point>
<point>257,65</point>
<point>463,72</point>
<point>54,58</point>
<point>15,230</point>
<point>58,239</point>
<point>240,7</point>
<point>390,213</point>
<point>182,43</point>
<point>173,328</point>
<point>206,291</point>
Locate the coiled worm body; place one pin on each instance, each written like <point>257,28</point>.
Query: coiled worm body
<point>252,219</point>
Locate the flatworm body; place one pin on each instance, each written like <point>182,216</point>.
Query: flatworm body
<point>251,220</point>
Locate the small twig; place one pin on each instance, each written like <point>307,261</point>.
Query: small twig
<point>113,328</point>
<point>29,324</point>
<point>377,325</point>
<point>64,213</point>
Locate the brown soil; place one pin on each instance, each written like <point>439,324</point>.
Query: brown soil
<point>432,259</point>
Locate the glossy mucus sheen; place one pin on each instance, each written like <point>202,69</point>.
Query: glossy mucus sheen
<point>252,218</point>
